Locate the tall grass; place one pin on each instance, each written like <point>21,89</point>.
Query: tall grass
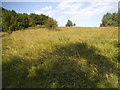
<point>69,58</point>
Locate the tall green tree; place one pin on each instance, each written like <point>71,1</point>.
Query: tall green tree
<point>38,19</point>
<point>23,21</point>
<point>35,19</point>
<point>7,20</point>
<point>110,19</point>
<point>42,19</point>
<point>69,23</point>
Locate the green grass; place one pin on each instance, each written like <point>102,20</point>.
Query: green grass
<point>69,58</point>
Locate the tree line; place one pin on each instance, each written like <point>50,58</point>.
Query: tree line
<point>12,21</point>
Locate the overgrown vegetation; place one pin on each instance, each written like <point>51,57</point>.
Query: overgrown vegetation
<point>70,58</point>
<point>12,21</point>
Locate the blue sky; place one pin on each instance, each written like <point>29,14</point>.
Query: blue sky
<point>84,14</point>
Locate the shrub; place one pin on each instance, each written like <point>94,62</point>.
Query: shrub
<point>50,23</point>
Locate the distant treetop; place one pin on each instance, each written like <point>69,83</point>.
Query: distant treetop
<point>70,23</point>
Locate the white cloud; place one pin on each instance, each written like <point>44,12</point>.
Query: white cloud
<point>78,10</point>
<point>45,10</point>
<point>95,8</point>
<point>38,12</point>
<point>71,6</point>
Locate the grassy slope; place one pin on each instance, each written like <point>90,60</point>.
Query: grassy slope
<point>72,57</point>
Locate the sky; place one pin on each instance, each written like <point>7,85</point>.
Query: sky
<point>87,13</point>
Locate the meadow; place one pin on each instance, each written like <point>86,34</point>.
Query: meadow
<point>74,57</point>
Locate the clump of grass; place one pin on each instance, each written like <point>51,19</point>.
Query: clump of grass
<point>71,58</point>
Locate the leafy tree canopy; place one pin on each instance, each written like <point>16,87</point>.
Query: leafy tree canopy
<point>12,21</point>
<point>110,19</point>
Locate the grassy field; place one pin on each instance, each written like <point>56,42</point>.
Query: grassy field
<point>69,58</point>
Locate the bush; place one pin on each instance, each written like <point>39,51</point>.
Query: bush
<point>50,23</point>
